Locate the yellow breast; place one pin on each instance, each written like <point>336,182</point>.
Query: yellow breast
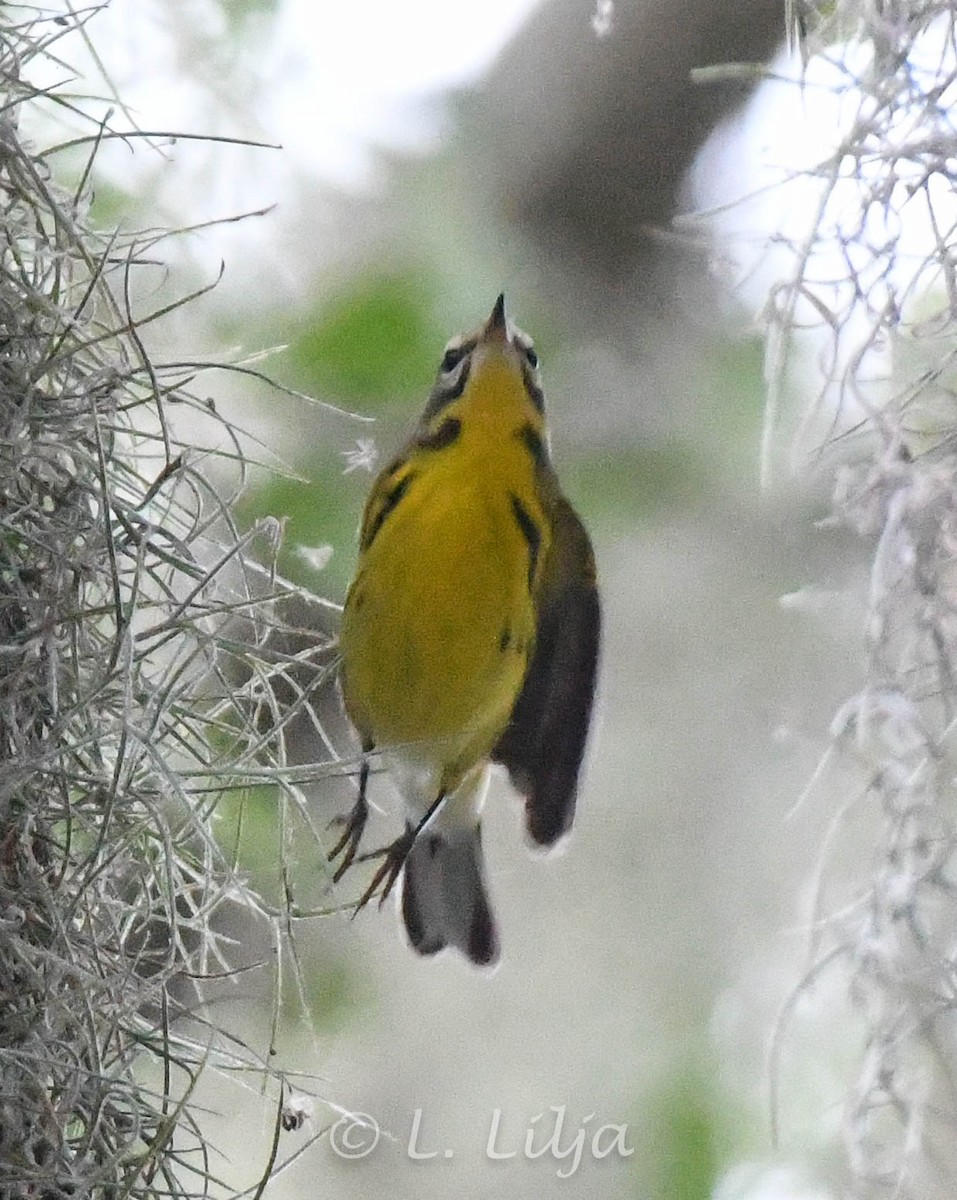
<point>440,620</point>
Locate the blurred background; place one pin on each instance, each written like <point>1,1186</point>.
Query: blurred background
<point>416,160</point>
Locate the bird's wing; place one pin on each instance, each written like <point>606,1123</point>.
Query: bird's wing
<point>543,744</point>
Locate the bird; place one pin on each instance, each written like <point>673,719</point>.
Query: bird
<point>470,637</point>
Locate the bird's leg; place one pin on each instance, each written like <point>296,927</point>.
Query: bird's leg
<point>394,856</point>
<point>353,824</point>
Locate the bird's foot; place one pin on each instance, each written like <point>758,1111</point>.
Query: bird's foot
<point>348,844</point>
<point>393,860</point>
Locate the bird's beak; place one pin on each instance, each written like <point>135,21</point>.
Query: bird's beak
<point>496,327</point>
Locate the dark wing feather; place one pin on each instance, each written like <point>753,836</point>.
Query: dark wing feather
<point>542,746</point>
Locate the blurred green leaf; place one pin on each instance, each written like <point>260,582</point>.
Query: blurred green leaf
<point>688,1133</point>
<point>113,207</point>
<point>246,830</point>
<point>733,392</point>
<point>239,12</point>
<point>339,994</point>
<point>324,511</point>
<point>375,343</point>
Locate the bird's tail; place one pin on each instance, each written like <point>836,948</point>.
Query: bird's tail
<point>444,901</point>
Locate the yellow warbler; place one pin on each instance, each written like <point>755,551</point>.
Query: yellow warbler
<point>469,636</point>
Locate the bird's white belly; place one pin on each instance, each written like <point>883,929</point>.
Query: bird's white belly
<point>418,779</point>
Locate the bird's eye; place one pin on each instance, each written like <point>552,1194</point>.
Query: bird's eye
<point>531,357</point>
<point>452,358</point>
